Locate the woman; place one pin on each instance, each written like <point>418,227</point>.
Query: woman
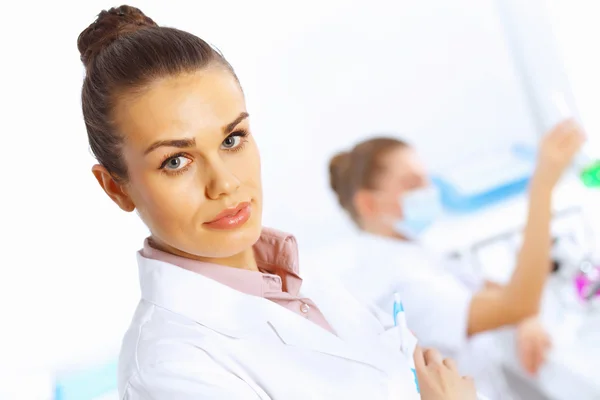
<point>383,186</point>
<point>221,314</point>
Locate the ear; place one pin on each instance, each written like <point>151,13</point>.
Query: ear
<point>364,203</point>
<point>113,188</point>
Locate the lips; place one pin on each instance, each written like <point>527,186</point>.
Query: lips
<point>231,218</point>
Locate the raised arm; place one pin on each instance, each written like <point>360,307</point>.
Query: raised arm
<point>494,307</point>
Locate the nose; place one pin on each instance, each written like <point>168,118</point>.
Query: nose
<point>222,181</point>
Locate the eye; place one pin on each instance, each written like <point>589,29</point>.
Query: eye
<point>231,142</point>
<point>176,163</point>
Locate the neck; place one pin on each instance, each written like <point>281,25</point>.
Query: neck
<point>242,260</point>
<point>382,230</point>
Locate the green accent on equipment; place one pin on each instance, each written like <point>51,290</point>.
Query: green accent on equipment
<point>590,175</point>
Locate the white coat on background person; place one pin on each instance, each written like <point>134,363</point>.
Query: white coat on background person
<point>435,302</point>
<point>383,185</point>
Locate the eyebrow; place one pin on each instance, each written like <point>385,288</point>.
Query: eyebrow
<point>187,143</point>
<point>179,143</point>
<point>231,126</point>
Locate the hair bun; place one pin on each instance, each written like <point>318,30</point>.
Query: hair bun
<point>338,169</point>
<point>108,27</point>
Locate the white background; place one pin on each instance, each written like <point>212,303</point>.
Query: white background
<point>319,76</point>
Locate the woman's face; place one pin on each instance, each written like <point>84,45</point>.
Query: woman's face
<point>402,172</point>
<point>193,165</point>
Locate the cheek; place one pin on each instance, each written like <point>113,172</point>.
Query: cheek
<point>172,206</point>
<point>247,167</point>
<point>394,207</point>
<point>390,206</point>
<point>388,200</point>
<point>167,203</point>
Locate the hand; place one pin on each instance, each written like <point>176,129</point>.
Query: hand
<point>439,378</point>
<point>533,344</point>
<point>557,150</point>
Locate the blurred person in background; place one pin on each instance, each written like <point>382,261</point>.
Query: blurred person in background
<point>384,187</point>
<point>224,313</point>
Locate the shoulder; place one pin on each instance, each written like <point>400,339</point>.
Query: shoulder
<point>392,257</point>
<point>166,356</point>
<point>158,339</point>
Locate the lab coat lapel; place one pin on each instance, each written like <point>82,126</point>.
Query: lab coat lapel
<point>295,330</point>
<point>198,298</point>
<point>355,330</point>
<point>204,300</point>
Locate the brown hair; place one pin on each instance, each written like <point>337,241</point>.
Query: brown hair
<point>123,51</point>
<point>357,169</point>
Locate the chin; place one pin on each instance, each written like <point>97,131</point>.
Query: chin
<point>227,243</point>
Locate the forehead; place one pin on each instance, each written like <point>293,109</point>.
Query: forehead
<point>401,161</point>
<point>184,104</point>
<point>401,168</point>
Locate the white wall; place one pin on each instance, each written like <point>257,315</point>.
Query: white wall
<point>577,32</point>
<point>319,76</point>
<point>436,72</point>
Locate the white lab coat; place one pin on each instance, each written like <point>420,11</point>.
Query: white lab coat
<point>436,296</point>
<point>194,338</point>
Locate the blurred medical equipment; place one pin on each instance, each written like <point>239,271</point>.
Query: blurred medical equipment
<point>588,281</point>
<point>483,179</point>
<point>571,305</point>
<point>587,165</point>
<point>574,261</point>
<point>590,174</point>
<point>490,177</point>
<point>534,48</point>
<point>95,383</point>
<point>572,247</point>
